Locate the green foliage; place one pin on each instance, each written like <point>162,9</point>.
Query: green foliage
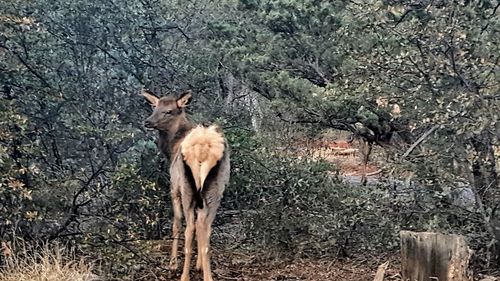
<point>76,163</point>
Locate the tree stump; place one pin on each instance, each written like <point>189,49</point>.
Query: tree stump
<point>427,256</point>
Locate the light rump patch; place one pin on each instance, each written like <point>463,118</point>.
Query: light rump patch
<point>201,149</point>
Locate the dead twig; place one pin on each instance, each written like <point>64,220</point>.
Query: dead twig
<point>379,276</point>
<point>374,173</point>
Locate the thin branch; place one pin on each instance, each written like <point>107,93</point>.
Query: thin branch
<point>420,140</point>
<point>315,66</point>
<point>28,66</point>
<point>75,205</point>
<point>166,27</point>
<point>403,17</point>
<point>495,10</point>
<point>424,74</point>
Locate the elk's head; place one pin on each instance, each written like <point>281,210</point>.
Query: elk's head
<point>167,111</point>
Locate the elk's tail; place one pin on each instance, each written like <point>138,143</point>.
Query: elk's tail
<point>202,149</point>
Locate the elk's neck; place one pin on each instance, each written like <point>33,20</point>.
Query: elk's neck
<point>170,139</point>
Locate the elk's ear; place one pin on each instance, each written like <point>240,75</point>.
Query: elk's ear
<point>184,99</point>
<point>150,97</point>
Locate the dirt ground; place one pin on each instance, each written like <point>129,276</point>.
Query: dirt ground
<point>237,266</point>
<point>319,269</point>
<point>231,264</point>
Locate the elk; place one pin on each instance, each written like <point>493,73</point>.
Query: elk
<point>199,173</point>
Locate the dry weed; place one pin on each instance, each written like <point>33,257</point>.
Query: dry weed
<point>49,263</point>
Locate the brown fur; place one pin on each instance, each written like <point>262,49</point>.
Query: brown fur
<point>199,168</point>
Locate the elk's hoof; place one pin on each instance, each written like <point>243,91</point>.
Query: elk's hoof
<point>173,264</point>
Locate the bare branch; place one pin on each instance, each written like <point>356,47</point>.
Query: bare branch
<point>166,27</point>
<point>75,205</point>
<point>420,140</point>
<point>28,66</point>
<point>315,66</point>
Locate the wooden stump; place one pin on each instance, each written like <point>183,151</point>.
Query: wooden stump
<point>427,256</point>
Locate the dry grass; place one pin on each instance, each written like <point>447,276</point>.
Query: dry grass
<point>50,263</point>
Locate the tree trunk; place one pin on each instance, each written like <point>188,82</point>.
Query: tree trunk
<point>432,256</point>
<point>255,111</point>
<point>228,86</point>
<point>487,187</point>
<point>484,169</point>
<point>367,150</point>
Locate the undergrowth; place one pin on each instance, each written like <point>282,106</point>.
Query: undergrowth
<point>49,262</point>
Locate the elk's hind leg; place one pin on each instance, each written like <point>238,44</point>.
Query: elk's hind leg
<point>199,258</point>
<point>204,222</point>
<point>176,229</point>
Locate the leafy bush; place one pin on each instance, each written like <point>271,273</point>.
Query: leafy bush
<point>298,205</point>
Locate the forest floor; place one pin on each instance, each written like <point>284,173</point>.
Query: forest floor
<point>234,258</point>
<point>241,265</point>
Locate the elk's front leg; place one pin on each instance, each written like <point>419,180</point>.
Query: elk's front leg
<point>176,228</point>
<point>188,240</point>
